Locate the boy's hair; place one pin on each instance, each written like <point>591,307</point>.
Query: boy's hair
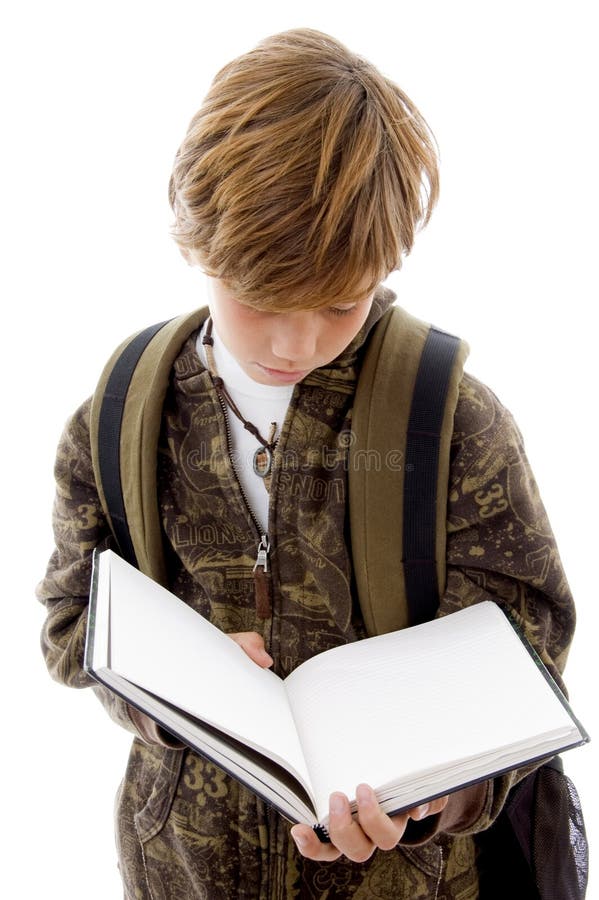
<point>304,176</point>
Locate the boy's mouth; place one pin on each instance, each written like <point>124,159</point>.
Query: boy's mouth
<point>284,375</point>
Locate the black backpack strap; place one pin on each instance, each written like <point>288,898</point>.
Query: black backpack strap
<point>421,474</point>
<point>109,437</point>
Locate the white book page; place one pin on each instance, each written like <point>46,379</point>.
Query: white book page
<point>165,647</point>
<point>386,707</point>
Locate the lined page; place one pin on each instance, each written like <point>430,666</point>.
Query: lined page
<point>161,644</point>
<point>393,705</point>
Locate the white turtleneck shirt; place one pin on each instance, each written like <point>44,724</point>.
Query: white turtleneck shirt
<point>260,404</point>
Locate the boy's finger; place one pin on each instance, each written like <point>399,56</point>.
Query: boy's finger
<point>383,831</point>
<point>428,809</point>
<point>311,847</point>
<point>346,833</point>
<point>252,644</point>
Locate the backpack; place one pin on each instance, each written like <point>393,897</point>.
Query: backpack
<point>403,410</point>
<point>125,425</point>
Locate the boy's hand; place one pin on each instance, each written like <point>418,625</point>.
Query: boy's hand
<point>253,644</point>
<point>358,838</point>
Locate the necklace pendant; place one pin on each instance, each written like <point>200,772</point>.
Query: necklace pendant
<point>262,462</point>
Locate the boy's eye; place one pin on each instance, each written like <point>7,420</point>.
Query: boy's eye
<point>342,310</point>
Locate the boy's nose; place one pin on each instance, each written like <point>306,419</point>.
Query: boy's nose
<point>294,337</point>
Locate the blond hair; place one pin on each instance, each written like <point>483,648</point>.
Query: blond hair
<point>304,176</point>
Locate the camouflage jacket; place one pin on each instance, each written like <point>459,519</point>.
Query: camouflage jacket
<point>184,828</point>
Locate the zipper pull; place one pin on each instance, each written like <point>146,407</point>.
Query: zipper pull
<point>262,583</point>
<point>262,558</point>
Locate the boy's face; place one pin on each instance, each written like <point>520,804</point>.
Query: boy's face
<point>282,348</point>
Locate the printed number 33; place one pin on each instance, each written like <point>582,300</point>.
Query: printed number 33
<point>491,502</point>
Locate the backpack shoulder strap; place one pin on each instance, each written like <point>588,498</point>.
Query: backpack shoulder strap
<point>125,423</point>
<point>402,427</point>
<point>399,469</point>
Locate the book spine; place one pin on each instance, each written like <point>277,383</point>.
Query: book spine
<point>91,614</point>
<point>519,629</point>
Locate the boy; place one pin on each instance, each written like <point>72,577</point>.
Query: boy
<point>299,186</point>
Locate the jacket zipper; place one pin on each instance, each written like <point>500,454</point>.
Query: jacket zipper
<point>261,572</point>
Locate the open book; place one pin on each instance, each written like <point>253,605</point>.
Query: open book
<point>416,714</point>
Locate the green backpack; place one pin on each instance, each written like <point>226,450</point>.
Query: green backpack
<point>404,407</point>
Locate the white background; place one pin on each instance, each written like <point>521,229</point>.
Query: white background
<point>96,100</point>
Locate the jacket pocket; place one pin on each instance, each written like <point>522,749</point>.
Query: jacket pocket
<point>151,818</point>
<point>426,857</point>
<point>449,864</point>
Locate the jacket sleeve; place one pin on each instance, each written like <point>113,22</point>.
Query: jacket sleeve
<point>500,547</point>
<point>79,527</point>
